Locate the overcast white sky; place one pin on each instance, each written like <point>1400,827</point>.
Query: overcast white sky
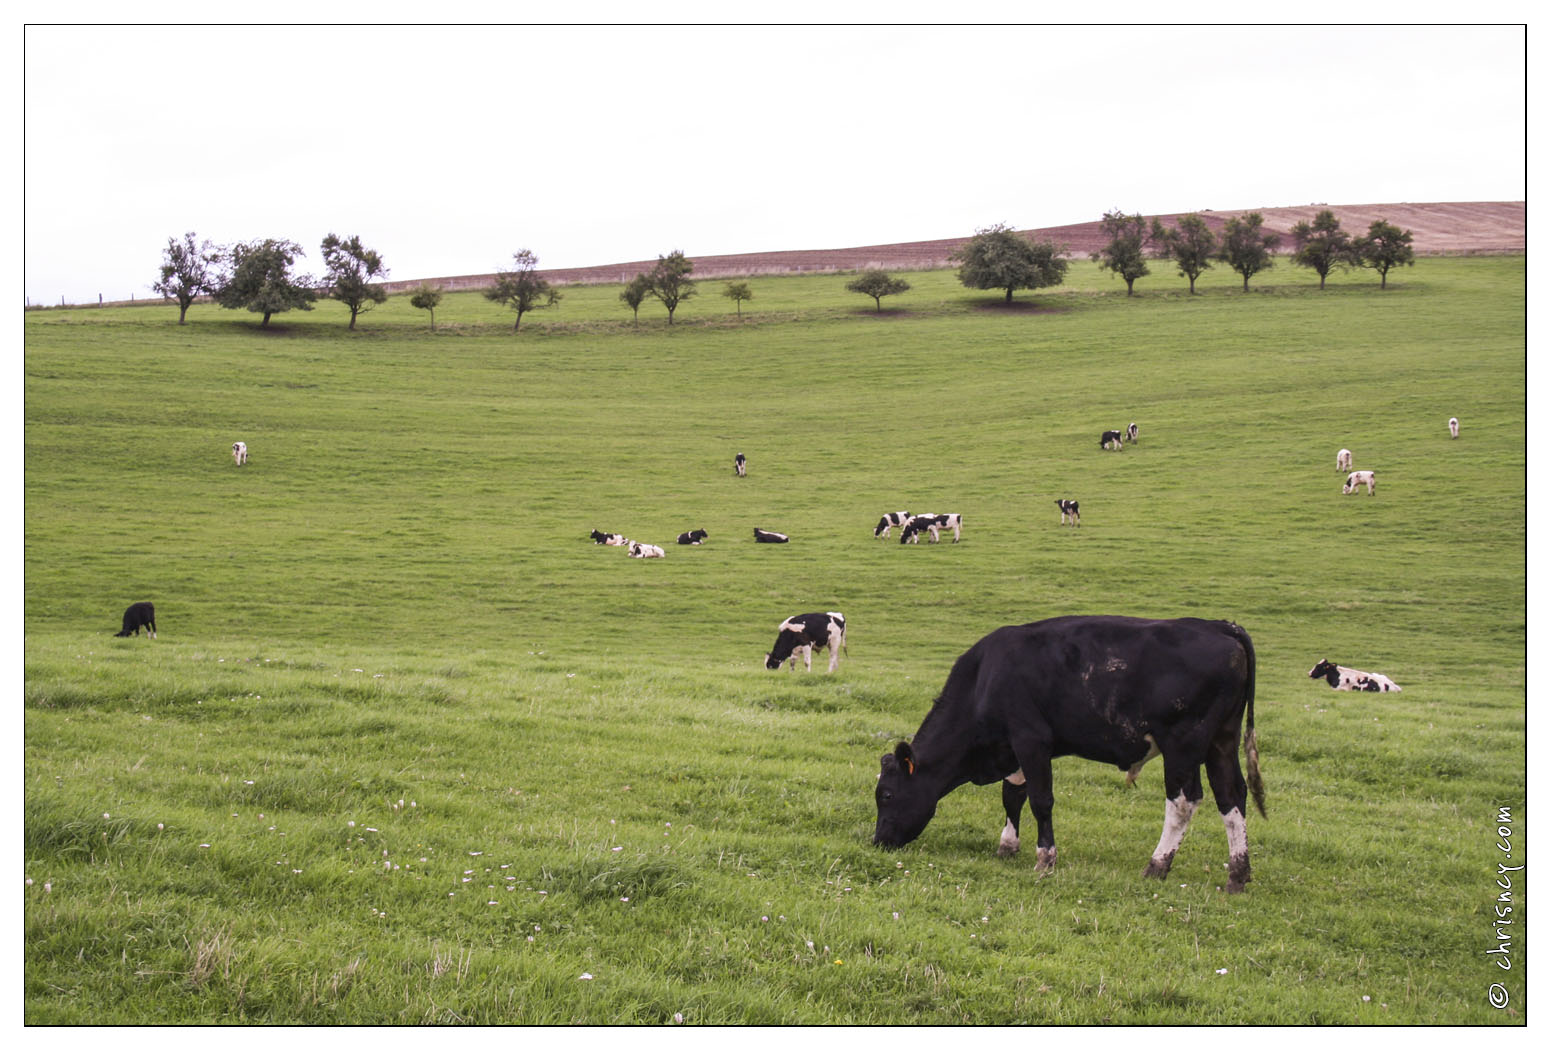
<point>448,149</point>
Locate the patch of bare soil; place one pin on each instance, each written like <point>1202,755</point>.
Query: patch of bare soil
<point>1466,228</point>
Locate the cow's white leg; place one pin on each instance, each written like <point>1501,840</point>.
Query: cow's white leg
<point>807,658</point>
<point>834,652</point>
<point>1012,801</point>
<point>1238,849</point>
<point>1176,818</point>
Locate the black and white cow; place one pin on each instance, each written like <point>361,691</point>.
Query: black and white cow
<point>740,465</point>
<point>645,550</point>
<point>1131,432</point>
<point>1356,480</point>
<point>1069,515</point>
<point>240,452</point>
<point>611,539</point>
<point>798,635</point>
<point>1111,440</point>
<point>932,525</point>
<point>1341,678</point>
<point>892,520</point>
<point>1112,689</point>
<point>138,615</point>
<point>1344,460</point>
<point>764,536</point>
<point>1453,427</point>
<point>694,536</point>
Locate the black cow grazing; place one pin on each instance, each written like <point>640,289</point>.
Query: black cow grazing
<point>611,539</point>
<point>1112,689</point>
<point>1110,440</point>
<point>1131,433</point>
<point>1069,515</point>
<point>694,536</point>
<point>892,520</point>
<point>931,525</point>
<point>764,536</point>
<point>139,615</point>
<point>740,465</point>
<point>799,634</point>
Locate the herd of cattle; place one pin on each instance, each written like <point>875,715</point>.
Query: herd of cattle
<point>1118,690</point>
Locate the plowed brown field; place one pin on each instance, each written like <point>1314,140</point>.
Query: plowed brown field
<point>1468,228</point>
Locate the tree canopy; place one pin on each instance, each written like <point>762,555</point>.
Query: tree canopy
<point>1190,243</point>
<point>349,269</point>
<point>1246,248</point>
<point>188,270</point>
<point>669,280</point>
<point>427,297</point>
<point>738,292</point>
<point>1126,253</point>
<point>1322,246</point>
<point>997,257</point>
<point>1383,248</point>
<point>878,283</point>
<point>521,288</point>
<point>259,279</point>
<point>635,294</point>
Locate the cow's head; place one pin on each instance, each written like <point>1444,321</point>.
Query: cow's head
<point>1327,671</point>
<point>906,802</point>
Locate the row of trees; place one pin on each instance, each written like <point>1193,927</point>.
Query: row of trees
<point>256,275</point>
<point>1246,247</point>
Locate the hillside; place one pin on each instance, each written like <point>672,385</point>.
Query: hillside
<point>1461,228</point>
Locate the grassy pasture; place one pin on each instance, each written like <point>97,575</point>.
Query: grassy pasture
<point>396,600</point>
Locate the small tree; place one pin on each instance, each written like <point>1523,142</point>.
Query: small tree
<point>521,288</point>
<point>427,297</point>
<point>635,294</point>
<point>259,279</point>
<point>349,268</point>
<point>878,283</point>
<point>996,257</point>
<point>1246,248</point>
<point>669,280</point>
<point>1322,246</point>
<point>1383,248</point>
<point>738,292</point>
<point>1125,253</point>
<point>188,270</point>
<point>1191,245</point>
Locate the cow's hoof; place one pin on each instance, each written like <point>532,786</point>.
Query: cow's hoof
<point>1234,887</point>
<point>1006,850</point>
<point>1156,869</point>
<point>1046,862</point>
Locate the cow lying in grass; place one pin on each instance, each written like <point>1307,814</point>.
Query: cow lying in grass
<point>611,539</point>
<point>645,550</point>
<point>1341,678</point>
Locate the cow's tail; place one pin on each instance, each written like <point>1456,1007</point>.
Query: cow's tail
<point>1257,787</point>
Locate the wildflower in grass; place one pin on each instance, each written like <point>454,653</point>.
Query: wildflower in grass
<point>106,816</point>
<point>678,1018</point>
<point>29,881</point>
<point>1222,970</point>
<point>584,977</point>
<point>48,888</point>
<point>160,826</point>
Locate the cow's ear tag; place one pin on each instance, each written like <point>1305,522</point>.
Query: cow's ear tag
<point>910,766</point>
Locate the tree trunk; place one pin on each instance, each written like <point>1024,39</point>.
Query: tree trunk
<point>433,319</point>
<point>1192,284</point>
<point>265,322</point>
<point>1009,293</point>
<point>519,322</point>
<point>1129,282</point>
<point>352,318</point>
<point>182,312</point>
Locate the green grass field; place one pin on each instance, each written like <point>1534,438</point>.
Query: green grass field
<point>411,748</point>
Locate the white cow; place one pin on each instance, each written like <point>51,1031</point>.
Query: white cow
<point>646,551</point>
<point>1453,426</point>
<point>1344,460</point>
<point>240,452</point>
<point>1357,479</point>
<point>1341,678</point>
